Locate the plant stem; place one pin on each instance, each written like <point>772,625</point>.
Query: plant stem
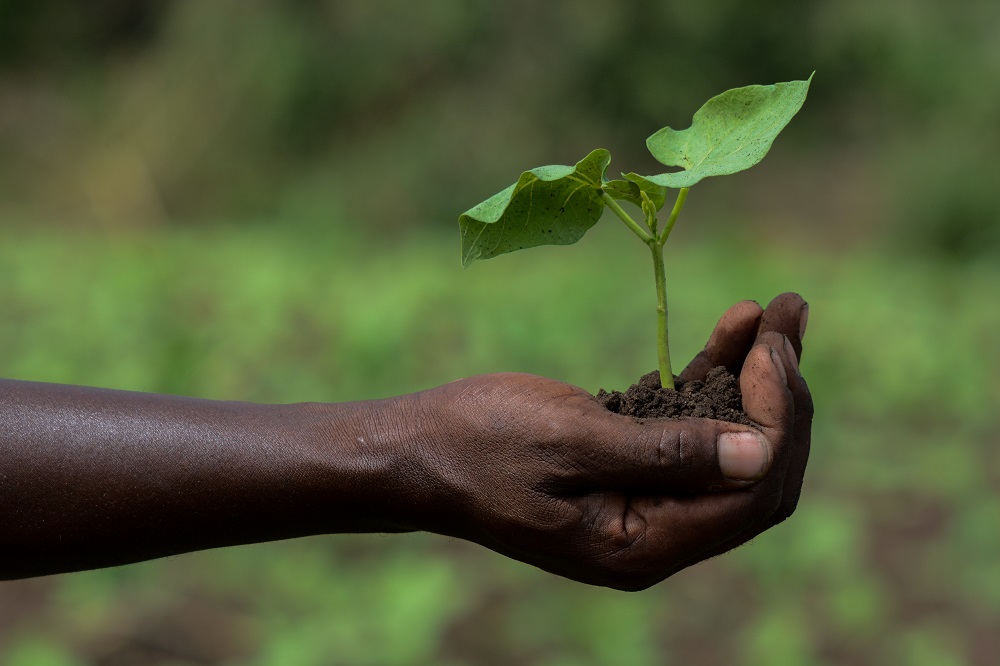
<point>660,274</point>
<point>626,218</point>
<point>662,344</point>
<point>655,243</point>
<point>678,205</point>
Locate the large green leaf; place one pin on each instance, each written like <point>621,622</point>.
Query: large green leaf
<point>550,205</point>
<point>731,132</point>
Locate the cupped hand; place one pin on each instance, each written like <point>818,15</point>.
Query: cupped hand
<point>539,471</point>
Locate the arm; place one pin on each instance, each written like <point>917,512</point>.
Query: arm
<point>530,467</point>
<point>92,477</point>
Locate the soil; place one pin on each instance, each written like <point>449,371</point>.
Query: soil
<point>718,397</point>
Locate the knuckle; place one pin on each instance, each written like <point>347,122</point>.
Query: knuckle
<point>675,450</point>
<point>620,541</point>
<point>623,559</point>
<point>669,450</point>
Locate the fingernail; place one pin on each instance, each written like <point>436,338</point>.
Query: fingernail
<point>803,320</point>
<point>742,455</point>
<point>779,365</point>
<point>792,358</point>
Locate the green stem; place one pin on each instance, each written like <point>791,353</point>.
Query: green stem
<point>678,206</point>
<point>662,344</point>
<point>626,218</point>
<point>660,274</point>
<point>655,243</point>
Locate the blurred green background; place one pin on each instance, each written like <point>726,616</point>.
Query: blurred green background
<point>259,200</point>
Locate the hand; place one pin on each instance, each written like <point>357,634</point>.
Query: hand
<point>781,329</point>
<point>539,471</point>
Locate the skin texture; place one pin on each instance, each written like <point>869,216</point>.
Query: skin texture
<point>530,467</point>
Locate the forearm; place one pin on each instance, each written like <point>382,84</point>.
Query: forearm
<point>92,477</point>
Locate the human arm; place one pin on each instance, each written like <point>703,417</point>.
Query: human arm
<point>94,477</point>
<point>527,466</point>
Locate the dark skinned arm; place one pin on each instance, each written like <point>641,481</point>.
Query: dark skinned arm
<point>530,467</point>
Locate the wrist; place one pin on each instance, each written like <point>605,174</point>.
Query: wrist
<point>369,459</point>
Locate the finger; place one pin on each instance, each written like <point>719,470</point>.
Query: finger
<point>694,525</point>
<point>767,401</point>
<point>684,456</point>
<point>801,431</point>
<point>798,456</point>
<point>681,531</point>
<point>729,343</point>
<point>800,423</point>
<point>646,539</point>
<point>787,315</point>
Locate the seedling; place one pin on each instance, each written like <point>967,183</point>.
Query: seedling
<point>556,205</point>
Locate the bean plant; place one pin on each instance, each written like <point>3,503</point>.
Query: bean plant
<point>556,205</point>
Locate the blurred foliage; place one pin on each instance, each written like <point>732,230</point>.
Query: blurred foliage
<point>258,201</point>
<point>399,114</point>
<point>891,558</point>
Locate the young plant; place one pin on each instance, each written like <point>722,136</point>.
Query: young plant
<point>556,205</point>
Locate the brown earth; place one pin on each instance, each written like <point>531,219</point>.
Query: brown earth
<point>718,397</point>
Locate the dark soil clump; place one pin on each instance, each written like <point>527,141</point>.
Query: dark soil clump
<point>718,397</point>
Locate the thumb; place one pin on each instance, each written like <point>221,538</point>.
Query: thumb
<point>684,456</point>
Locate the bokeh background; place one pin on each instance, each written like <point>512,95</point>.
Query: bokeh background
<point>259,200</point>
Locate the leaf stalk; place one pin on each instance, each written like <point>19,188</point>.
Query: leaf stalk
<point>678,206</point>
<point>626,218</point>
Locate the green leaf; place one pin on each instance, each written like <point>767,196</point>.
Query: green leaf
<point>550,205</point>
<point>731,132</point>
<point>631,188</point>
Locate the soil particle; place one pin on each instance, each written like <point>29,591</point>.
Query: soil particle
<point>718,397</point>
